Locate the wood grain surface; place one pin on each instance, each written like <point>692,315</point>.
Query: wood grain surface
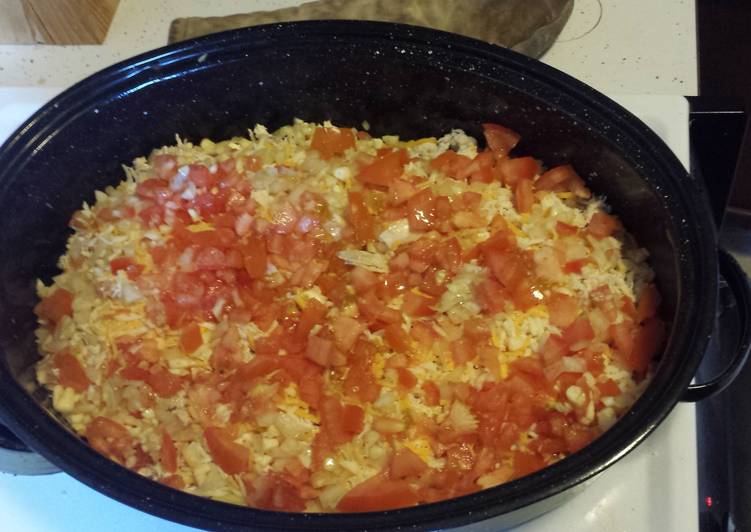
<point>55,21</point>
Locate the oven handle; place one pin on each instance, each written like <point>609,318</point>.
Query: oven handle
<point>738,283</point>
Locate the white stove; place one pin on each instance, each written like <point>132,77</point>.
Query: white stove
<point>652,489</point>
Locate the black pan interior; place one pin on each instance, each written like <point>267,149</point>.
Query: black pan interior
<point>406,81</point>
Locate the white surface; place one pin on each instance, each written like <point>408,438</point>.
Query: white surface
<point>630,46</point>
<point>618,46</point>
<point>654,489</point>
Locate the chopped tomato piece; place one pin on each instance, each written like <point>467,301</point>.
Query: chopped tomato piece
<point>501,140</point>
<point>579,333</point>
<point>384,169</point>
<point>609,388</point>
<point>422,212</point>
<point>462,350</point>
<point>164,383</point>
<point>524,195</point>
<point>564,229</point>
<point>407,379</point>
<point>563,309</point>
<point>168,453</point>
<point>623,337</point>
<point>396,338</point>
<point>518,168</point>
<point>255,257</point>
<point>359,217</point>
<point>346,331</point>
<point>55,306</point>
<point>648,340</point>
<point>602,225</point>
<point>378,493</point>
<point>432,393</point>
<point>405,463</point>
<point>109,438</point>
<point>132,269</point>
<point>417,305</point>
<point>70,372</point>
<point>353,418</point>
<point>190,338</point>
<point>330,141</point>
<point>450,163</point>
<point>555,177</point>
<point>230,456</point>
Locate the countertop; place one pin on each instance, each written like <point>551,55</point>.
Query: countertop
<point>617,46</point>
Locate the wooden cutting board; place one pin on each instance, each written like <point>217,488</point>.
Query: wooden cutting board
<point>55,21</point>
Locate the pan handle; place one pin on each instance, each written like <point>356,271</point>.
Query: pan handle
<point>738,284</point>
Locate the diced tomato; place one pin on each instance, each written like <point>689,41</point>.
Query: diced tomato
<point>555,177</point>
<point>577,437</point>
<point>407,379</point>
<point>346,331</point>
<point>359,217</point>
<point>396,338</point>
<point>462,350</point>
<point>649,301</point>
<point>623,337</point>
<point>109,438</point>
<point>190,338</point>
<point>602,225</point>
<point>320,350</point>
<point>329,141</point>
<point>168,453</point>
<point>491,296</point>
<point>255,258</point>
<point>517,169</point>
<point>417,305</point>
<point>231,457</point>
<point>132,269</point>
<point>173,481</point>
<point>563,309</point>
<point>164,165</point>
<point>311,316</point>
<point>609,388</point>
<point>55,306</point>
<point>154,189</point>
<point>553,349</point>
<point>272,492</point>
<point>450,163</point>
<point>353,418</point>
<point>564,229</point>
<point>201,177</point>
<point>384,169</point>
<point>405,463</point>
<point>501,140</point>
<point>648,340</point>
<point>360,381</point>
<point>70,372</point>
<point>378,493</point>
<point>422,212</point>
<point>575,266</point>
<point>164,383</point>
<point>109,214</point>
<point>400,190</point>
<point>480,170</point>
<point>432,393</point>
<point>524,196</point>
<point>510,268</point>
<point>578,333</point>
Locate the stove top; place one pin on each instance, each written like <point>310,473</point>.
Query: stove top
<point>652,489</point>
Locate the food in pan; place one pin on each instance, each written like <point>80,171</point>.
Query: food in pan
<point>318,320</point>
